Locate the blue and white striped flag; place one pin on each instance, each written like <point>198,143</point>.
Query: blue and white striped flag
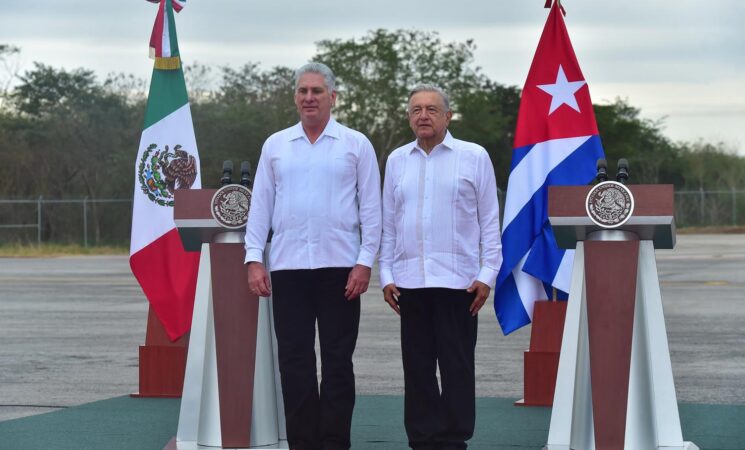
<point>556,143</point>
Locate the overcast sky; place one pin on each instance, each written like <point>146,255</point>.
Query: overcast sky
<point>681,60</point>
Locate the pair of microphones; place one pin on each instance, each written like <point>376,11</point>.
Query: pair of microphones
<point>227,173</point>
<point>622,173</point>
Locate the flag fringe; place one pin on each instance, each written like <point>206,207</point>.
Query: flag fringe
<point>169,63</point>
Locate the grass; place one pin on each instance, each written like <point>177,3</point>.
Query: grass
<point>45,250</point>
<point>712,230</point>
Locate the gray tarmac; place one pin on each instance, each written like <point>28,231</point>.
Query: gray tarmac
<point>70,328</point>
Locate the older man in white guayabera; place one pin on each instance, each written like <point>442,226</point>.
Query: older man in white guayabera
<point>439,258</point>
<point>317,188</point>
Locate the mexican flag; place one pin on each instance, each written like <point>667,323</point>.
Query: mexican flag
<point>167,160</point>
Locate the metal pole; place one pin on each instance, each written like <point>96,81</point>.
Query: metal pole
<point>701,214</point>
<point>734,208</point>
<point>85,222</point>
<point>38,221</point>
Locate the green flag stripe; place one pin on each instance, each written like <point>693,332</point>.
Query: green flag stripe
<point>167,94</point>
<point>172,28</point>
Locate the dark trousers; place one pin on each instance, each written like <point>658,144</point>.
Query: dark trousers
<point>437,329</point>
<point>316,420</point>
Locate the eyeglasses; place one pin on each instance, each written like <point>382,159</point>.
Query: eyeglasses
<point>429,110</point>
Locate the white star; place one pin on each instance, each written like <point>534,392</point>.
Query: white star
<point>562,92</point>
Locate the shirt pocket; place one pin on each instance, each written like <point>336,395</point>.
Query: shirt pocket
<point>345,166</point>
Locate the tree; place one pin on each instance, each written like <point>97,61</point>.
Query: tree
<point>248,106</point>
<point>652,157</point>
<point>78,135</point>
<point>487,115</point>
<point>9,65</point>
<point>375,73</point>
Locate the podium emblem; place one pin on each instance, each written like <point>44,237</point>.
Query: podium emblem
<point>230,205</point>
<point>609,204</point>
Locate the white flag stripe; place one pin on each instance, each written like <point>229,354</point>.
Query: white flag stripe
<point>529,287</point>
<point>532,171</point>
<point>563,278</point>
<point>149,219</point>
<point>166,41</point>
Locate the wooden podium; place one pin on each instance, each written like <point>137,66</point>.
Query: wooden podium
<point>614,388</point>
<point>231,397</point>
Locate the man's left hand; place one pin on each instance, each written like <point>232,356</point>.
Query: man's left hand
<point>359,279</point>
<point>482,293</point>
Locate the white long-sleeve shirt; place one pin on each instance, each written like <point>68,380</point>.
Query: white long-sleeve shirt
<point>322,200</point>
<point>440,217</point>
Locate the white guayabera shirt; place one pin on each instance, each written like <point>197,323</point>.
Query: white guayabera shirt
<point>440,217</point>
<point>322,200</point>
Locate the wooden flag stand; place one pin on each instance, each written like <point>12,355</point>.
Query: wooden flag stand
<point>541,361</point>
<point>162,362</point>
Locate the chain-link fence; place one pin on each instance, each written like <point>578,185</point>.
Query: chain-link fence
<point>68,221</point>
<point>107,221</point>
<point>703,208</point>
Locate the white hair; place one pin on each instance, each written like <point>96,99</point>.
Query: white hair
<point>431,88</point>
<point>319,68</point>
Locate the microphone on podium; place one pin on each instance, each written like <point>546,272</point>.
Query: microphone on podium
<point>623,171</point>
<point>227,173</point>
<point>246,173</point>
<point>602,174</point>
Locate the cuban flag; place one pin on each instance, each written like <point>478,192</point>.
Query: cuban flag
<point>556,143</point>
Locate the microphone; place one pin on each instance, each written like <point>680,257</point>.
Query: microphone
<point>227,173</point>
<point>623,171</point>
<point>246,173</point>
<point>602,170</point>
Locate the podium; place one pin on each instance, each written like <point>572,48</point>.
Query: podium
<point>232,397</point>
<point>614,387</point>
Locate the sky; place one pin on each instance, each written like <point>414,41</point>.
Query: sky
<point>680,61</point>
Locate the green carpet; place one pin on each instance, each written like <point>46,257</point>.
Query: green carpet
<point>142,424</point>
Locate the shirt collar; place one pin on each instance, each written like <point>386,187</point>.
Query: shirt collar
<point>447,143</point>
<point>331,130</point>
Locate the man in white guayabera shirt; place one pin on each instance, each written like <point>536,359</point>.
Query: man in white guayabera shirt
<point>317,187</point>
<point>439,257</point>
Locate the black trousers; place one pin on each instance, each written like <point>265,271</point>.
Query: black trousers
<point>437,329</point>
<point>316,420</point>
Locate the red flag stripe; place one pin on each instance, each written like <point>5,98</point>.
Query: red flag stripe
<point>534,124</point>
<point>168,277</point>
<point>156,38</point>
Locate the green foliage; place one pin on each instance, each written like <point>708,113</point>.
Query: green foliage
<point>247,106</point>
<point>45,88</point>
<point>652,157</point>
<point>488,115</point>
<point>707,165</point>
<point>375,73</point>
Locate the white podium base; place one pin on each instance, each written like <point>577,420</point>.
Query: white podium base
<point>199,417</point>
<point>282,445</point>
<point>652,421</point>
<point>686,446</point>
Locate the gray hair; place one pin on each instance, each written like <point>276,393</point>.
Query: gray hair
<point>319,68</point>
<point>431,88</point>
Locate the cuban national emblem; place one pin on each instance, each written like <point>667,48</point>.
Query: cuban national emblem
<point>161,172</point>
<point>609,204</point>
<point>230,206</point>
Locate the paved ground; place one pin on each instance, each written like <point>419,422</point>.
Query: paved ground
<point>70,329</point>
